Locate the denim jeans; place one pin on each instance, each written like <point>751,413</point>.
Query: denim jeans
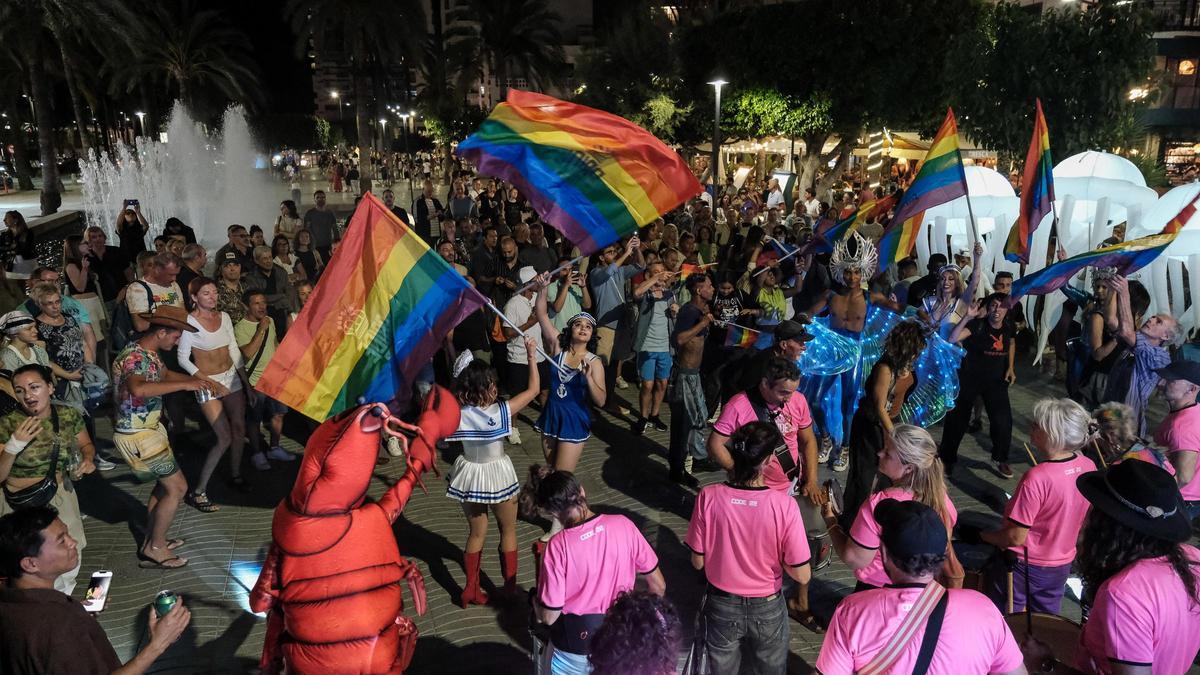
<point>566,663</point>
<point>759,624</point>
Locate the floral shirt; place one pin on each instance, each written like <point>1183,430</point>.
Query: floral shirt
<point>136,413</point>
<point>34,460</point>
<point>229,300</point>
<point>64,343</point>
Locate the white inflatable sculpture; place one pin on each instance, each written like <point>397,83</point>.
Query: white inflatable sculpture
<point>1165,278</point>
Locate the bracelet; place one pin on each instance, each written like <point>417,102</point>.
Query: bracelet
<point>14,446</point>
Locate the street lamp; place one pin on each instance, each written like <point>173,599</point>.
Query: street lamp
<point>383,135</point>
<point>407,158</point>
<point>716,143</point>
<point>141,121</point>
<point>334,95</point>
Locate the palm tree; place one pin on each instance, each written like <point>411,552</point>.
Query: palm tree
<point>373,37</point>
<point>188,49</point>
<point>521,36</point>
<point>30,28</point>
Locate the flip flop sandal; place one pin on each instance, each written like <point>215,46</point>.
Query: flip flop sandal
<point>173,544</point>
<point>806,619</point>
<point>147,563</point>
<point>201,502</point>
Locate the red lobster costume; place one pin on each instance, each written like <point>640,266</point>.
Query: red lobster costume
<point>331,580</point>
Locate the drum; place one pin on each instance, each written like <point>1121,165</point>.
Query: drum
<point>1059,634</point>
<point>975,559</point>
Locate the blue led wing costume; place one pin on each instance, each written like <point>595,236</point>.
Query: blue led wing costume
<point>936,370</point>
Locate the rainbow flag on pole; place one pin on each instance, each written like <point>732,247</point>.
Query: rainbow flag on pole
<point>592,175</point>
<point>858,218</point>
<point>379,313</point>
<point>1037,191</point>
<point>940,179</point>
<point>738,336</point>
<point>1127,257</point>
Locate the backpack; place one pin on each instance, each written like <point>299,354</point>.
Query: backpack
<point>121,333</point>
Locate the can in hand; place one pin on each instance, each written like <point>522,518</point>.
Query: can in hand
<point>164,602</point>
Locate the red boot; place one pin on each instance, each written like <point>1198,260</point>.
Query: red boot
<point>508,569</point>
<point>472,594</point>
<point>539,550</point>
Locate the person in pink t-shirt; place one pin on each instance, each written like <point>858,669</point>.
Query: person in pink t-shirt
<point>972,636</point>
<point>1180,430</point>
<point>745,536</point>
<point>586,566</point>
<point>1141,576</point>
<point>1043,518</point>
<point>776,400</point>
<point>909,459</point>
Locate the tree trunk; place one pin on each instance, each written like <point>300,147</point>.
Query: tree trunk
<point>76,101</point>
<point>842,153</point>
<point>20,144</point>
<point>810,161</point>
<point>362,119</point>
<point>184,98</point>
<point>40,90</point>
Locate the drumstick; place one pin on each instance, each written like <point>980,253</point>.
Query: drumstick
<point>1030,453</point>
<point>1099,455</point>
<point>1028,608</point>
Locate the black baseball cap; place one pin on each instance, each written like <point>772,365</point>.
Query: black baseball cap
<point>230,257</point>
<point>910,529</point>
<point>791,330</point>
<point>1181,370</point>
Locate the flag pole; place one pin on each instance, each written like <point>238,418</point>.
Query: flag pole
<point>553,272</point>
<point>767,267</point>
<point>520,332</point>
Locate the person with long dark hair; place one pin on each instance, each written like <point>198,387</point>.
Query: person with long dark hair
<point>1140,574</point>
<point>891,380</point>
<point>745,537</point>
<point>483,476</point>
<point>576,375</point>
<point>595,558</point>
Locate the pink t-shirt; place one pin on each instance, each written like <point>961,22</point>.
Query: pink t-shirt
<point>796,416</point>
<point>865,532</point>
<point>746,535</point>
<point>1142,615</point>
<point>1048,503</point>
<point>1180,432</point>
<point>586,566</point>
<point>974,637</point>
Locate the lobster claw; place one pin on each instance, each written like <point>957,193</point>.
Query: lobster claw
<point>416,585</point>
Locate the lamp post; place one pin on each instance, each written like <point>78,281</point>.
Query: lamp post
<point>334,95</point>
<point>141,121</point>
<point>716,142</point>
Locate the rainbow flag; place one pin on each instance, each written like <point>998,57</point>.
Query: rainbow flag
<point>738,336</point>
<point>592,175</point>
<point>858,218</point>
<point>1037,191</point>
<point>940,179</point>
<point>379,313</point>
<point>688,269</point>
<point>1127,257</point>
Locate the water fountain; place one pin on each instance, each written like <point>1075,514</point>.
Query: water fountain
<point>207,182</point>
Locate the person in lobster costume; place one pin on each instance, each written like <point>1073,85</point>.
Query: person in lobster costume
<point>331,580</point>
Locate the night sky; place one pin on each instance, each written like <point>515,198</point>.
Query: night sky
<point>285,75</point>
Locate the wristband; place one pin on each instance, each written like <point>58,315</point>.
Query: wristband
<point>14,446</point>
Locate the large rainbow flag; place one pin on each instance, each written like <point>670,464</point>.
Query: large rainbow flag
<point>940,178</point>
<point>380,312</point>
<point>1127,257</point>
<point>592,175</point>
<point>859,217</point>
<point>1037,191</point>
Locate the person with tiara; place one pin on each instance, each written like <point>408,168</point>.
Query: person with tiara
<point>483,476</point>
<point>951,300</point>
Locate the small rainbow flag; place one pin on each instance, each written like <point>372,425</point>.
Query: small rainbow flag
<point>940,179</point>
<point>1128,257</point>
<point>688,269</point>
<point>738,336</point>
<point>379,313</point>
<point>592,175</point>
<point>1037,191</point>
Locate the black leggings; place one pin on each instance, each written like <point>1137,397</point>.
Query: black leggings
<point>999,412</point>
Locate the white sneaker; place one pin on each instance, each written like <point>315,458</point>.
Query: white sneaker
<point>393,446</point>
<point>103,464</point>
<point>515,437</point>
<point>621,383</point>
<point>826,450</point>
<point>843,461</point>
<point>278,453</point>
<point>260,462</point>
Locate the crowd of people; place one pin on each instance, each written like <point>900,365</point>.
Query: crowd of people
<point>707,313</point>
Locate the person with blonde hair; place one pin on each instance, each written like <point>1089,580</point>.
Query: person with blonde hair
<point>909,459</point>
<point>1044,516</point>
<point>1117,438</point>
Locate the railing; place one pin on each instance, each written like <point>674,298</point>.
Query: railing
<point>1175,15</point>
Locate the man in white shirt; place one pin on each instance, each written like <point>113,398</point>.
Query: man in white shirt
<point>774,194</point>
<point>812,206</point>
<point>519,312</point>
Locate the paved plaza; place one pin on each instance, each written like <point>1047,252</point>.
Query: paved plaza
<point>622,473</point>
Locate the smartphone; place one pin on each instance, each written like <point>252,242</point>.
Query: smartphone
<point>132,202</point>
<point>97,591</point>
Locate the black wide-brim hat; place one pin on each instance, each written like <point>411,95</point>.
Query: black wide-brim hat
<point>1140,496</point>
